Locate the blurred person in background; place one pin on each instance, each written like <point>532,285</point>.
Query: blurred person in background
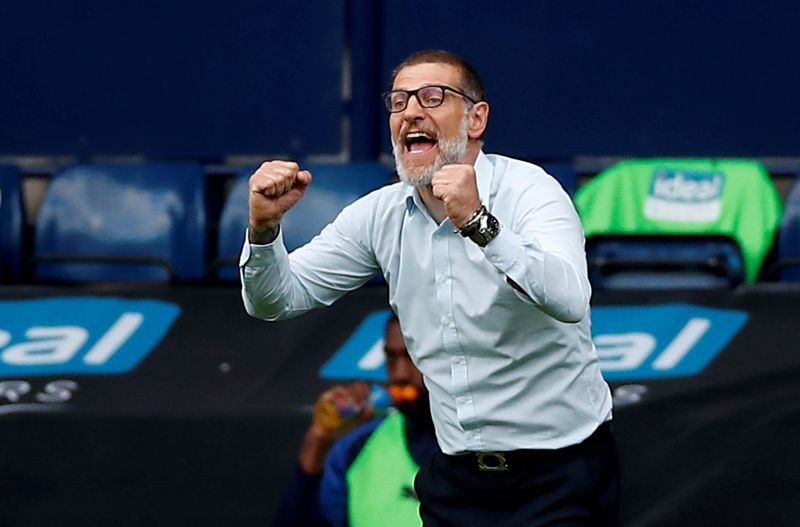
<point>359,471</point>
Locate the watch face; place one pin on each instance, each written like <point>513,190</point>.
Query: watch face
<point>488,228</point>
<point>492,225</point>
<point>482,229</point>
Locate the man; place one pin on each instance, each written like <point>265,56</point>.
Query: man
<point>368,474</point>
<point>484,259</point>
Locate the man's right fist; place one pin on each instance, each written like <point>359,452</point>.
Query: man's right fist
<point>274,188</point>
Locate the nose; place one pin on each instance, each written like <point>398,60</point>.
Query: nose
<point>414,110</point>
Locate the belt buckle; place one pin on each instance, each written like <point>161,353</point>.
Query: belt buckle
<point>492,461</point>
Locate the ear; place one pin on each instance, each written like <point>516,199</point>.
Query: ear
<point>478,119</point>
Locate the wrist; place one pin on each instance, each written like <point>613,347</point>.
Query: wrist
<point>482,227</point>
<point>316,445</point>
<point>472,219</point>
<point>321,434</point>
<point>263,235</point>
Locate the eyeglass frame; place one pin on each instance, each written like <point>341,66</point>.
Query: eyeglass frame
<point>387,103</point>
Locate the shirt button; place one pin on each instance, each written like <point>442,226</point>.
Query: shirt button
<point>493,259</point>
<point>461,401</point>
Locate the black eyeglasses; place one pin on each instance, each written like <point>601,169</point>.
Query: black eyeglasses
<point>428,97</point>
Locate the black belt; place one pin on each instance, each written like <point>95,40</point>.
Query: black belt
<point>503,461</point>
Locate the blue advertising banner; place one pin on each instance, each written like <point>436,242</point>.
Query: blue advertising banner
<point>79,335</point>
<point>633,342</point>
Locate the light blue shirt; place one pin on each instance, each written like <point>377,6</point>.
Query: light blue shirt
<point>506,370</point>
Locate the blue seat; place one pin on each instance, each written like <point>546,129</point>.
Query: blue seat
<point>632,261</point>
<point>122,222</point>
<point>12,220</point>
<point>232,225</point>
<point>787,264</point>
<point>333,187</point>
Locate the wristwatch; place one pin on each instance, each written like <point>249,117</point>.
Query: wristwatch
<point>481,227</point>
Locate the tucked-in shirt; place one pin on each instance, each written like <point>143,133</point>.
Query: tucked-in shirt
<point>507,366</point>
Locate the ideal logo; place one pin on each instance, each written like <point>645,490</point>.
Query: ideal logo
<point>687,186</point>
<point>685,196</point>
<point>633,342</point>
<point>79,335</point>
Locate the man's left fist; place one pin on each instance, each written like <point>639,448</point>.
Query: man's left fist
<point>455,185</point>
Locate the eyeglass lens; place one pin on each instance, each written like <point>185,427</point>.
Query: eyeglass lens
<point>428,97</point>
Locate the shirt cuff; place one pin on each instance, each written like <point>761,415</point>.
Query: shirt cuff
<point>507,252</point>
<point>255,255</point>
<point>504,252</point>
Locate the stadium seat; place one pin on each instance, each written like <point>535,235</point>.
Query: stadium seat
<point>664,262</point>
<point>333,187</point>
<point>125,222</point>
<point>787,264</point>
<point>12,220</point>
<point>678,223</point>
<point>232,225</point>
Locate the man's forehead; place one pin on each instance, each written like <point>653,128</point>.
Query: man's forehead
<point>417,75</point>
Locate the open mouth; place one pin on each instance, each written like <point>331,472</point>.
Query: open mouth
<point>419,142</point>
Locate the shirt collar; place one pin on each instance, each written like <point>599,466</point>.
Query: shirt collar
<point>483,174</point>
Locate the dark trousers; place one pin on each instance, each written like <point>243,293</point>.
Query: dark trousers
<point>572,486</point>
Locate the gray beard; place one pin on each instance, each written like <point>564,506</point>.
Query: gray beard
<point>451,151</point>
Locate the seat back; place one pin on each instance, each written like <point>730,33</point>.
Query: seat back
<point>683,198</point>
<point>122,222</point>
<point>664,262</point>
<point>787,265</point>
<point>12,220</point>
<point>333,187</point>
<point>232,226</point>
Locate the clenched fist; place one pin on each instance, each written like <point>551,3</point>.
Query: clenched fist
<point>274,188</point>
<point>456,186</point>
